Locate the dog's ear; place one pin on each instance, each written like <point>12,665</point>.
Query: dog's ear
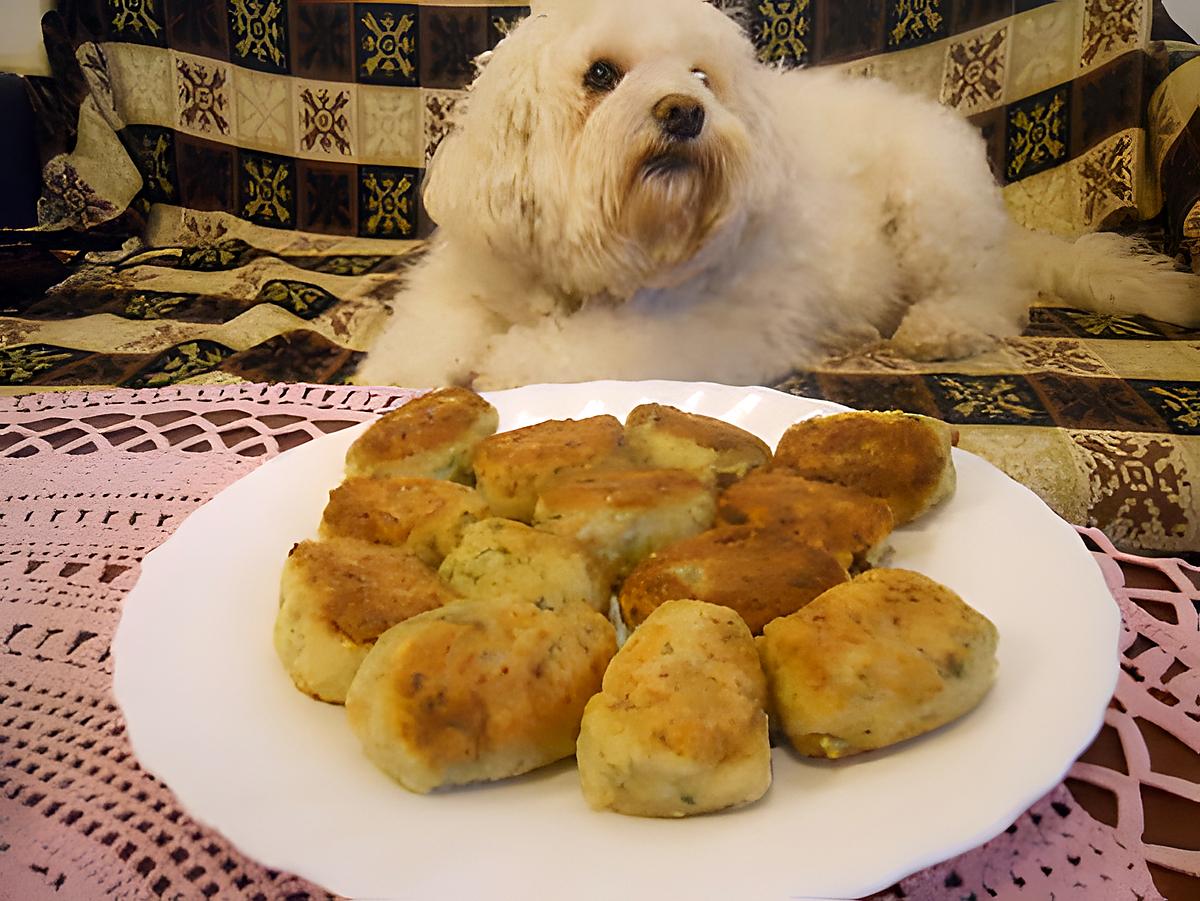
<point>479,175</point>
<point>447,163</point>
<point>480,62</point>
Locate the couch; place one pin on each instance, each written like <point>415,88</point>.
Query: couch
<point>221,179</point>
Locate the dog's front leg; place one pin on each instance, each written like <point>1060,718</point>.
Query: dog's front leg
<point>429,341</point>
<point>711,343</point>
<point>439,325</point>
<point>936,329</point>
<point>585,346</point>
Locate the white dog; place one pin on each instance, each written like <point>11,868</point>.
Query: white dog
<point>630,194</point>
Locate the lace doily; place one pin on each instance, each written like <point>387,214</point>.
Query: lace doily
<point>94,481</point>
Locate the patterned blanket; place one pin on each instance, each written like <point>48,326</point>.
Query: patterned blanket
<point>265,157</point>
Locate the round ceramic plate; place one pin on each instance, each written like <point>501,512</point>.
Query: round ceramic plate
<point>211,712</point>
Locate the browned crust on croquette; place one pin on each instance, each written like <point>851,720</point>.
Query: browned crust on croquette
<point>385,511</point>
<point>429,422</point>
<point>624,489</point>
<point>897,457</point>
<point>843,521</point>
<point>453,720</point>
<point>705,431</point>
<point>761,574</point>
<point>665,662</point>
<point>365,589</point>
<point>513,468</point>
<point>554,444</point>
<point>891,655</point>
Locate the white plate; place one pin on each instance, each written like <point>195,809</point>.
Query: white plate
<point>211,712</point>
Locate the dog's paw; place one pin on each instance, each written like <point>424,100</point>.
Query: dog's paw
<point>929,333</point>
<point>489,381</point>
<point>523,355</point>
<point>935,348</point>
<point>371,372</point>
<point>499,377</point>
<point>407,371</point>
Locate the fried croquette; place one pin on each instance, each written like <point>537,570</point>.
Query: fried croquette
<point>513,468</point>
<point>761,574</point>
<point>886,657</point>
<point>504,559</point>
<point>433,436</point>
<point>478,690</point>
<point>901,458</point>
<point>679,727</point>
<point>711,449</point>
<point>424,516</point>
<point>849,524</point>
<point>622,516</point>
<point>336,598</point>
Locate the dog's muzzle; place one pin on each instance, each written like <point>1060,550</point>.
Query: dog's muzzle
<point>679,116</point>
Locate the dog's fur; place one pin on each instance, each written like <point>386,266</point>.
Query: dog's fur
<point>577,240</point>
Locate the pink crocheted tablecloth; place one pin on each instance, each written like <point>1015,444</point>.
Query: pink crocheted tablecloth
<point>91,482</point>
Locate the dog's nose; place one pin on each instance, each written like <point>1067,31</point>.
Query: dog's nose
<point>680,116</point>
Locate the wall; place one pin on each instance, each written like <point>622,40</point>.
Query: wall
<point>21,36</point>
<point>1186,13</point>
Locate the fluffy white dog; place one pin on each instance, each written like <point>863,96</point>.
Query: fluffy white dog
<point>630,194</point>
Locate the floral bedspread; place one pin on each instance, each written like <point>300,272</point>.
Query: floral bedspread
<point>266,159</point>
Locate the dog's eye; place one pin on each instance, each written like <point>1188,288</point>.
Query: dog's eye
<point>602,76</point>
<point>701,76</point>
